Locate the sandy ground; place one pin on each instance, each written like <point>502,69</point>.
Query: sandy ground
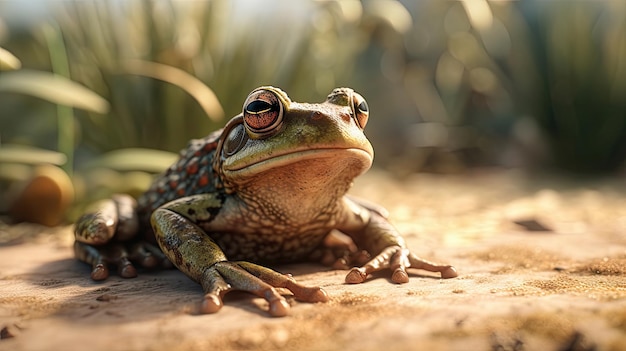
<point>520,287</point>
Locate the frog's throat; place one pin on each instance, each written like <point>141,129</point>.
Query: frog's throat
<point>361,161</point>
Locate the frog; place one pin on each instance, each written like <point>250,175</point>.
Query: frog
<point>270,187</point>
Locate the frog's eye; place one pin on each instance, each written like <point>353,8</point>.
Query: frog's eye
<point>235,140</point>
<point>262,113</point>
<point>360,109</point>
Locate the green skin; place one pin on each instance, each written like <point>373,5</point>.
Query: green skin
<point>267,188</point>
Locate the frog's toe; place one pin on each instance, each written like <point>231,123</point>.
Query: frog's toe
<point>400,276</point>
<point>99,272</point>
<point>211,304</point>
<point>312,294</point>
<point>449,272</point>
<point>215,287</point>
<point>446,271</point>
<point>92,256</point>
<point>279,307</point>
<point>356,275</point>
<point>125,268</point>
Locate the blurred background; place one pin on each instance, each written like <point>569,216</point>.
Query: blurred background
<point>96,97</point>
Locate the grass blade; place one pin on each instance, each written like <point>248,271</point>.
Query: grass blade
<point>8,61</point>
<point>54,88</point>
<point>134,159</point>
<point>30,155</point>
<point>192,85</point>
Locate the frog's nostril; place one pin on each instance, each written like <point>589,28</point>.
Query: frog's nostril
<point>316,116</point>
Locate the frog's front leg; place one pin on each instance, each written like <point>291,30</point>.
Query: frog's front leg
<point>104,235</point>
<point>193,252</point>
<point>372,231</point>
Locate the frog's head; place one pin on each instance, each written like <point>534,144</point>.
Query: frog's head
<point>275,139</point>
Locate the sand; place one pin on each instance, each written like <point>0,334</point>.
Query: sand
<point>541,261</point>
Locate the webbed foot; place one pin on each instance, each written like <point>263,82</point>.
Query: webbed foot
<point>397,259</point>
<point>225,276</point>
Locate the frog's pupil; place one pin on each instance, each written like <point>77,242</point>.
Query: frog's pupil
<point>258,106</point>
<point>363,106</point>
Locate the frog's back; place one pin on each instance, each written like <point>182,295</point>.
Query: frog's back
<point>191,174</point>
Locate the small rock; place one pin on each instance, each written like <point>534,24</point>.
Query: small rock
<point>5,333</point>
<point>533,225</point>
<point>106,297</point>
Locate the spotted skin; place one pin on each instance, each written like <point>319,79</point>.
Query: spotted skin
<point>191,174</point>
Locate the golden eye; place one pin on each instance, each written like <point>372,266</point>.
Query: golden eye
<point>235,140</point>
<point>360,109</point>
<point>262,113</point>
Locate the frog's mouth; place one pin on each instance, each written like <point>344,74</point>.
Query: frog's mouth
<point>314,161</point>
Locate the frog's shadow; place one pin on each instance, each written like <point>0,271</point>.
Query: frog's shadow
<point>150,294</point>
<point>153,293</point>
